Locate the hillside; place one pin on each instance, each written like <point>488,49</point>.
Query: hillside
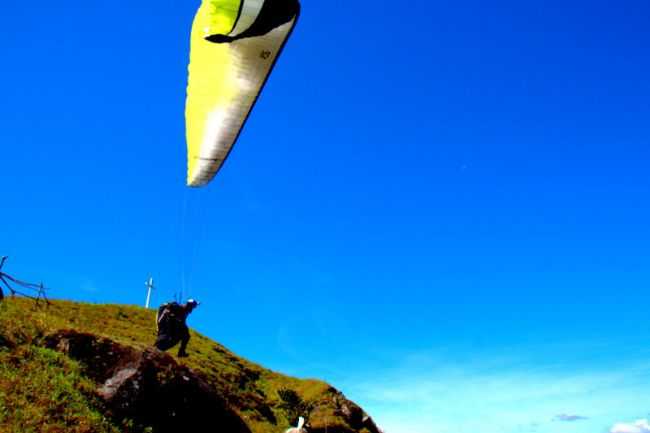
<point>77,368</point>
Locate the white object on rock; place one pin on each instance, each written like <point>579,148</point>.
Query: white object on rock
<point>299,429</point>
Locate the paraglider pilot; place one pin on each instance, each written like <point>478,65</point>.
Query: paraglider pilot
<point>172,328</point>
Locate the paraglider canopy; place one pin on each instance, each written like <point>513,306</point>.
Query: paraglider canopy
<point>234,46</point>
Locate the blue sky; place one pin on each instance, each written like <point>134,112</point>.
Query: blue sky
<point>441,207</point>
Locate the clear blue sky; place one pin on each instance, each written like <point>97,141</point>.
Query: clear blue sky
<point>440,207</point>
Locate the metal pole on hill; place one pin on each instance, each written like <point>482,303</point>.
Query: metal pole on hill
<point>2,263</point>
<point>150,287</point>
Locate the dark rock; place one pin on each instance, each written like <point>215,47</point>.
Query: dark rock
<point>148,387</point>
<point>370,425</point>
<point>100,357</point>
<point>352,414</point>
<point>6,343</point>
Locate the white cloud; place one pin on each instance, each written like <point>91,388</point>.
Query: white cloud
<point>569,418</point>
<point>640,426</point>
<point>499,396</point>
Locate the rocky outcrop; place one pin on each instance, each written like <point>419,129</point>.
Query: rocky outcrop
<point>334,413</point>
<point>147,390</point>
<point>148,387</point>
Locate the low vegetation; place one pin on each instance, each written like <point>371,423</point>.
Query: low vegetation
<point>42,390</point>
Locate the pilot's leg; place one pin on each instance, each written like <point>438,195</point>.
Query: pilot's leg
<point>185,338</point>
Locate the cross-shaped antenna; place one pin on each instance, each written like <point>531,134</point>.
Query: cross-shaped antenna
<point>150,287</point>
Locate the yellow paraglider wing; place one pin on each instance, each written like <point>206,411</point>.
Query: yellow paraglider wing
<point>234,45</point>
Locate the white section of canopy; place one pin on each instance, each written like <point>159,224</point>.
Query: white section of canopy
<point>249,13</point>
<point>251,62</point>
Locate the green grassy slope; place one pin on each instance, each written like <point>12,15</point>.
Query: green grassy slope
<point>44,391</point>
